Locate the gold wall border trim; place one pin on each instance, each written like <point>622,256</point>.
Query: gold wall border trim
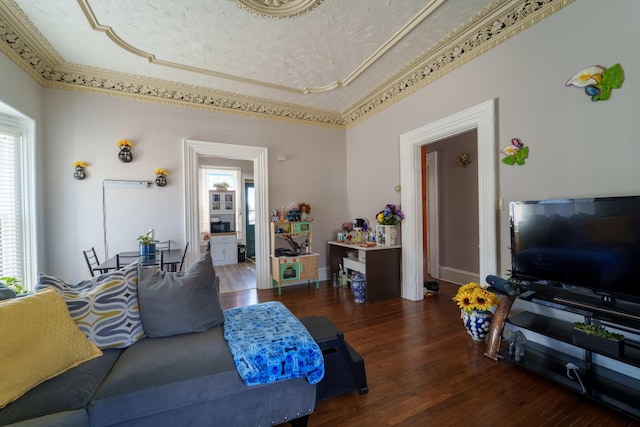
<point>25,46</point>
<point>506,19</point>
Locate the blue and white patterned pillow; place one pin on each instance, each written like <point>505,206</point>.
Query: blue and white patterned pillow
<point>104,307</point>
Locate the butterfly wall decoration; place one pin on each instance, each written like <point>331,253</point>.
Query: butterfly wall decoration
<point>516,153</point>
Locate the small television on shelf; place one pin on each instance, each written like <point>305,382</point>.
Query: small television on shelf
<point>588,246</point>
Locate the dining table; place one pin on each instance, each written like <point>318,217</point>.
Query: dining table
<point>172,259</point>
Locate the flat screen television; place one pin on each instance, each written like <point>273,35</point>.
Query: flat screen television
<point>588,246</point>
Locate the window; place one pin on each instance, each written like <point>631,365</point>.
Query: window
<point>17,214</point>
<point>251,206</point>
<point>214,178</point>
<point>211,175</point>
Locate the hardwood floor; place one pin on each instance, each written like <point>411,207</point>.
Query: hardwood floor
<point>236,277</point>
<point>423,369</point>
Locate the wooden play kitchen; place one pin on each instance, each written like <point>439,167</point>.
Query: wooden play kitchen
<point>296,261</point>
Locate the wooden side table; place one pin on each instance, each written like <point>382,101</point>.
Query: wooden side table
<point>380,265</point>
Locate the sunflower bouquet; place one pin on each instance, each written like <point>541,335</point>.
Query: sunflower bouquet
<point>472,297</point>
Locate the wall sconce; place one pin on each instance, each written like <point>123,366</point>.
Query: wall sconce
<point>79,170</point>
<point>463,160</point>
<point>161,177</point>
<point>125,155</point>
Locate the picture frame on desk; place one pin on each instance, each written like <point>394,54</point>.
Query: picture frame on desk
<point>387,235</point>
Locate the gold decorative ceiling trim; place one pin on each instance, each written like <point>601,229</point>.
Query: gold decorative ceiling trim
<point>88,79</point>
<point>152,59</point>
<point>232,105</point>
<point>25,46</point>
<point>93,21</point>
<point>492,26</point>
<point>278,8</point>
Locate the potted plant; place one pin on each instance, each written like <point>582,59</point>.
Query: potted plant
<point>389,220</point>
<point>221,186</point>
<point>597,338</point>
<point>14,284</point>
<point>147,244</point>
<point>475,304</point>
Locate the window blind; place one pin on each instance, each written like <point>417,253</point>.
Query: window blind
<point>11,248</point>
<point>13,201</point>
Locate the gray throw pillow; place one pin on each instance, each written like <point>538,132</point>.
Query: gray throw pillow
<point>174,303</point>
<point>6,292</point>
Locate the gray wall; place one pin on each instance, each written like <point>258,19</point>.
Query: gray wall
<point>87,127</point>
<point>578,147</point>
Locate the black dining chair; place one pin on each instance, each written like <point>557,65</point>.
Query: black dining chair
<point>153,260</point>
<point>163,246</point>
<point>92,260</point>
<point>184,254</point>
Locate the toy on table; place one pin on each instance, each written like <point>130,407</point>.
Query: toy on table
<point>305,210</point>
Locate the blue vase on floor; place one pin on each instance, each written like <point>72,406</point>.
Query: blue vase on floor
<point>357,286</point>
<point>478,324</point>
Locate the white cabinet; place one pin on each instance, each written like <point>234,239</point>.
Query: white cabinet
<point>224,249</point>
<point>222,211</point>
<point>222,202</point>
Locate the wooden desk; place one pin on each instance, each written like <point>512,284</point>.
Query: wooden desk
<point>381,267</point>
<point>172,259</point>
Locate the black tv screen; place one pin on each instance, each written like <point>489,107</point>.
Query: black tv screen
<point>591,245</point>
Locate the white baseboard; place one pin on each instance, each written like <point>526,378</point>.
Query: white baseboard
<point>457,276</point>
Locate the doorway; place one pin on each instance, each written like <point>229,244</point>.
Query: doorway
<point>481,118</point>
<point>250,221</point>
<point>450,213</point>
<point>191,150</point>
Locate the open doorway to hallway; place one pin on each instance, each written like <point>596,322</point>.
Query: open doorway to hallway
<point>227,214</point>
<point>481,117</point>
<point>193,151</point>
<point>450,209</point>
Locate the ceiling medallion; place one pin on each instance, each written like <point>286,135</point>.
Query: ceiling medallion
<point>279,8</point>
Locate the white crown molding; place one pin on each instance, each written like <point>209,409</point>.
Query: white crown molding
<point>153,59</point>
<point>480,34</point>
<point>278,8</point>
<point>267,5</point>
<point>25,46</point>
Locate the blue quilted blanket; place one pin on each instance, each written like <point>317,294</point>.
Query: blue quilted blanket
<point>268,344</point>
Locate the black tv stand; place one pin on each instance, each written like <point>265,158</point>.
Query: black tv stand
<point>616,308</point>
<point>550,347</point>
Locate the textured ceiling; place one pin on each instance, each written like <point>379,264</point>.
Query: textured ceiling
<point>332,64</point>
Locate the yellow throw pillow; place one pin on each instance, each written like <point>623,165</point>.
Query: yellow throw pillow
<point>39,340</point>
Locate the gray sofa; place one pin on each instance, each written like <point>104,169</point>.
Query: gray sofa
<point>185,376</point>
